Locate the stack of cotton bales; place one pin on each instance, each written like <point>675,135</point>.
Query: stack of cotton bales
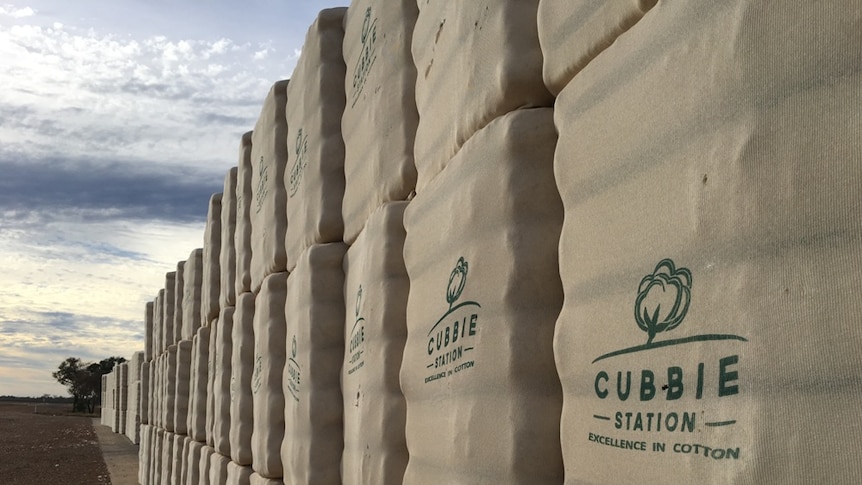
<point>716,145</point>
<point>378,128</point>
<point>132,413</point>
<point>310,451</point>
<point>481,251</point>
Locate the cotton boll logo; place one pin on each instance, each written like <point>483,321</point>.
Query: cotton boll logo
<point>663,299</point>
<point>457,280</point>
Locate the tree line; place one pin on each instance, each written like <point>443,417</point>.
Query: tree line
<point>84,380</point>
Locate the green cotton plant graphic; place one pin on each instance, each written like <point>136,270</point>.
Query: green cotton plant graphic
<point>663,299</point>
<point>457,280</point>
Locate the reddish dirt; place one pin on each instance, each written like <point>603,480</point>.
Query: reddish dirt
<point>49,446</point>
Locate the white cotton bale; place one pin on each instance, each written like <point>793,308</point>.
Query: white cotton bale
<point>211,261</point>
<point>145,393</point>
<point>315,176</point>
<point>210,398</point>
<point>144,456</point>
<point>475,60</point>
<point>158,324</point>
<point>169,308</point>
<point>572,33</point>
<point>313,438</point>
<point>218,469</point>
<point>192,290</point>
<point>375,297</point>
<point>198,388</point>
<point>268,198</point>
<point>485,230</point>
<point>221,382</point>
<point>242,369</point>
<point>169,388</point>
<point>131,429</point>
<point>156,461</point>
<point>179,299</point>
<point>269,359</point>
<point>181,459</point>
<point>193,459</point>
<point>256,479</point>
<point>167,461</point>
<point>227,257</point>
<point>153,414</point>
<point>148,330</point>
<point>207,454</point>
<point>183,384</point>
<point>380,117</point>
<point>244,203</point>
<point>736,191</point>
<point>238,474</point>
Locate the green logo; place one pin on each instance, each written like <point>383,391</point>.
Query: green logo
<point>666,285</point>
<point>293,372</point>
<point>457,280</point>
<point>661,304</point>
<point>356,345</point>
<point>296,171</point>
<point>367,57</point>
<point>450,339</point>
<point>262,187</point>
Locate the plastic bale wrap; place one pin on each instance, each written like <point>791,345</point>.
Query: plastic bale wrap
<point>169,388</point>
<point>158,324</point>
<point>242,368</point>
<point>193,459</point>
<point>167,461</point>
<point>169,309</point>
<point>144,455</point>
<point>211,268</point>
<point>313,438</point>
<point>183,381</point>
<point>192,288</point>
<point>182,465</point>
<point>268,198</point>
<point>475,61</point>
<point>207,454</point>
<point>218,469</point>
<point>242,235</point>
<point>200,377</point>
<point>375,329</point>
<point>156,461</point>
<point>179,298</point>
<point>315,175</point>
<point>484,296</point>
<point>269,359</point>
<point>221,382</point>
<point>711,255</point>
<point>238,474</point>
<point>227,257</point>
<point>380,118</point>
<point>146,393</point>
<point>153,412</point>
<point>148,331</point>
<point>574,32</point>
<point>210,397</point>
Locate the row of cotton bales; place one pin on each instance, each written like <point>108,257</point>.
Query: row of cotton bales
<point>461,246</point>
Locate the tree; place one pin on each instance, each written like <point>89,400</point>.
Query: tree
<point>84,381</point>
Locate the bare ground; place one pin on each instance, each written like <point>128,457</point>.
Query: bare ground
<point>48,446</point>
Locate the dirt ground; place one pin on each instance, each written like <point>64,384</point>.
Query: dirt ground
<point>48,446</point>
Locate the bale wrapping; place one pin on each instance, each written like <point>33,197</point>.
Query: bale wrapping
<point>192,287</point>
<point>267,211</point>
<point>211,269</point>
<point>708,333</point>
<point>483,398</point>
<point>379,121</point>
<point>200,376</point>
<point>315,177</point>
<point>221,382</point>
<point>242,236</point>
<point>269,355</point>
<point>227,257</point>
<point>313,442</point>
<point>375,297</point>
<point>242,369</point>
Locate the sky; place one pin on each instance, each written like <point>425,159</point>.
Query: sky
<point>118,120</point>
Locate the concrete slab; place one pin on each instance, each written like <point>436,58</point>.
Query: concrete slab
<point>120,455</point>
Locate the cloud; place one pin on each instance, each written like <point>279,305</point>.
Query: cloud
<point>18,13</point>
